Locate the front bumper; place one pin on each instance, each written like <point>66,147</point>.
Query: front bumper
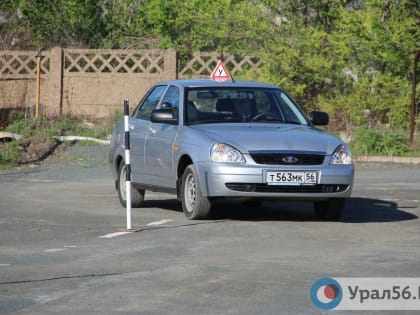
<point>247,181</point>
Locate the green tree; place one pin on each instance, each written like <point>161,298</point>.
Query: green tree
<point>64,23</point>
<point>380,38</point>
<point>125,25</point>
<point>185,25</point>
<point>346,60</point>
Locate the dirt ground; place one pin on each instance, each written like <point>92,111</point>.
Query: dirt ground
<point>36,150</point>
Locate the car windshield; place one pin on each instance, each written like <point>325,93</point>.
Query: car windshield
<point>239,104</point>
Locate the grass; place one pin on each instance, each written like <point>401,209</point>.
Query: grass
<point>34,130</point>
<point>375,142</point>
<point>56,127</point>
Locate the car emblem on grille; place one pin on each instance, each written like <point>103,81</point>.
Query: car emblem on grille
<point>290,159</point>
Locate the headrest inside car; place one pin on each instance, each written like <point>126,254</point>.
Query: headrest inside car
<point>225,105</point>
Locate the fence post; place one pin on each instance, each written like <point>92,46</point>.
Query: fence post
<point>38,85</point>
<point>170,65</point>
<point>55,82</point>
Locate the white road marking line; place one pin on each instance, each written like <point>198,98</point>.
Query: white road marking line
<point>4,265</point>
<point>116,234</point>
<point>55,250</point>
<point>156,223</point>
<point>40,180</point>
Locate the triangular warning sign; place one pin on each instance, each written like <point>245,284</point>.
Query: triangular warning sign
<point>220,73</point>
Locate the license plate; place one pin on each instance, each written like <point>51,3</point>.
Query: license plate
<point>291,178</point>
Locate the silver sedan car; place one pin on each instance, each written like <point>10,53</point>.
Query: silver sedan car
<point>205,140</point>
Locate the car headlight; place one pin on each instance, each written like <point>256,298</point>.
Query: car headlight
<point>220,152</point>
<point>341,155</point>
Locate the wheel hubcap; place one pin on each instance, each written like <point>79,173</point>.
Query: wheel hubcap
<point>122,183</point>
<point>190,189</point>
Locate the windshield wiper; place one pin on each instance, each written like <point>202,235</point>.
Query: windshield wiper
<point>292,122</point>
<point>207,121</point>
<point>276,120</point>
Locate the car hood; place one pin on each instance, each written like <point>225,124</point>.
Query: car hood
<point>254,137</point>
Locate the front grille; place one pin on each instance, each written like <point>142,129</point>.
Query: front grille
<point>264,188</point>
<point>279,158</point>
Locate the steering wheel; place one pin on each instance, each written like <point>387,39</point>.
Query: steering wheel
<point>266,115</point>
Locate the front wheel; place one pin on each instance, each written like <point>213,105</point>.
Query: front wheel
<point>330,209</point>
<point>194,204</point>
<point>137,195</point>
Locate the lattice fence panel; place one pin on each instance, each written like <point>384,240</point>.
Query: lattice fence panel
<point>202,64</point>
<point>113,62</point>
<point>22,65</point>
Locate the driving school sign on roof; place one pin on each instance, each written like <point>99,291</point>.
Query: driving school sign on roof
<point>220,73</point>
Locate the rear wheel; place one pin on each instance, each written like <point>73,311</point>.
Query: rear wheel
<point>330,209</point>
<point>194,204</point>
<point>137,195</point>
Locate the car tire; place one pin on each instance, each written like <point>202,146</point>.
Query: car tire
<point>137,195</point>
<point>194,204</point>
<point>330,209</point>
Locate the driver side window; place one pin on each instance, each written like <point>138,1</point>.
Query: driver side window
<point>150,102</point>
<point>172,96</point>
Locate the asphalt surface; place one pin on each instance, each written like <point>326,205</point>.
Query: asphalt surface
<point>60,251</point>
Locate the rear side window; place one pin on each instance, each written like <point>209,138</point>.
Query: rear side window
<point>150,102</point>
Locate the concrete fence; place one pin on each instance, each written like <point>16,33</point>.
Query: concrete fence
<point>94,83</point>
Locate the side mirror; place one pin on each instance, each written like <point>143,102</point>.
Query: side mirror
<point>319,118</point>
<point>165,116</point>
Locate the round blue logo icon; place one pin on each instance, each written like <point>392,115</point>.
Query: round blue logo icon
<point>326,293</point>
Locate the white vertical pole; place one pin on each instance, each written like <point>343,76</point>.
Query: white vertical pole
<point>127,164</point>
